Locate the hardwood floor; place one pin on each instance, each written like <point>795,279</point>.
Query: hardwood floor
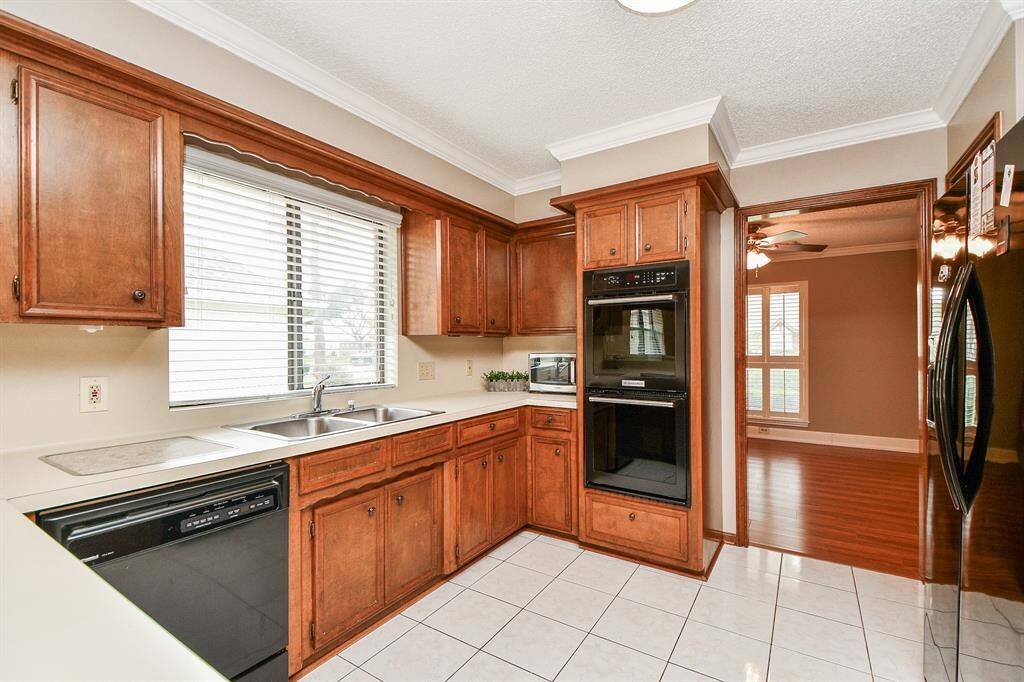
<point>845,505</point>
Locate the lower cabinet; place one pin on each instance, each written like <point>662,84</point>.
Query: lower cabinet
<point>371,549</point>
<point>489,497</point>
<point>550,484</point>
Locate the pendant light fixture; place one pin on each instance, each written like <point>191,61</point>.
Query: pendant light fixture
<point>654,8</point>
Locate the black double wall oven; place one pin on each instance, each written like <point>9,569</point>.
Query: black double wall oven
<point>637,372</point>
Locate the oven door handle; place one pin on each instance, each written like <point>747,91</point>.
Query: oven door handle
<point>632,299</point>
<point>632,401</point>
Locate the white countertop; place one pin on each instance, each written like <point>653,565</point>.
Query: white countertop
<point>60,620</point>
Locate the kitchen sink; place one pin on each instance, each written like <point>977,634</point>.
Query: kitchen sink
<point>301,427</point>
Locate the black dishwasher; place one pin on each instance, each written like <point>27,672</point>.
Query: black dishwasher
<point>206,559</point>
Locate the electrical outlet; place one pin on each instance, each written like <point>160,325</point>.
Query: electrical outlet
<point>469,368</point>
<point>426,371</point>
<point>92,394</point>
<point>763,429</point>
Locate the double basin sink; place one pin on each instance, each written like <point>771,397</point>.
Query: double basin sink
<point>329,422</point>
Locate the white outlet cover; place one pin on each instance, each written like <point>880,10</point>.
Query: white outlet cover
<point>93,394</point>
<point>426,371</point>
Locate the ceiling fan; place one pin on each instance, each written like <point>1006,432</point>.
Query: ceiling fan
<point>784,242</point>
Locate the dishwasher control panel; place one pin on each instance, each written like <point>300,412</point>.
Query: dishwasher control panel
<point>235,508</point>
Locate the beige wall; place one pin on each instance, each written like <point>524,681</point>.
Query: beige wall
<point>536,205</point>
<point>862,341</point>
<point>140,37</point>
<point>515,349</point>
<point>994,91</point>
<point>660,154</point>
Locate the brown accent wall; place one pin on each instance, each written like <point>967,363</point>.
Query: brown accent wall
<point>862,340</point>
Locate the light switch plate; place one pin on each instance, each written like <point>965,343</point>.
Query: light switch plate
<point>469,368</point>
<point>426,371</point>
<point>93,393</point>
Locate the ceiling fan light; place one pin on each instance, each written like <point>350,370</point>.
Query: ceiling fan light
<point>757,259</point>
<point>654,7</point>
<point>946,247</point>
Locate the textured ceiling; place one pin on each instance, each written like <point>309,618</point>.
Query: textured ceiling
<point>502,79</point>
<point>893,221</point>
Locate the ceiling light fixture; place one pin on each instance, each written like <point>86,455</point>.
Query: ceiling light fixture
<point>654,7</point>
<point>757,259</point>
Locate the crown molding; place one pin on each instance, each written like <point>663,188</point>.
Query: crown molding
<point>840,251</point>
<point>534,183</point>
<point>721,127</point>
<point>995,22</point>
<point>242,41</point>
<point>636,130</point>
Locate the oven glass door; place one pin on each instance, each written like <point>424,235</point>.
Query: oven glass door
<point>637,342</point>
<point>638,445</point>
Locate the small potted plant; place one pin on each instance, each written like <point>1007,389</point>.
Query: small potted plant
<point>501,381</point>
<point>521,380</point>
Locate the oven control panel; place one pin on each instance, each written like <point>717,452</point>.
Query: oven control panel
<point>669,276</point>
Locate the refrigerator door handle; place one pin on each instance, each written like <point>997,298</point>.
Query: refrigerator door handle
<point>985,389</point>
<point>945,412</point>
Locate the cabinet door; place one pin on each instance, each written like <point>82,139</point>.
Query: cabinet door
<point>506,490</point>
<point>463,251</point>
<point>546,285</point>
<point>348,564</point>
<point>603,231</point>
<point>661,224</point>
<point>550,483</point>
<point>412,553</point>
<point>475,495</point>
<point>92,201</point>
<point>497,284</point>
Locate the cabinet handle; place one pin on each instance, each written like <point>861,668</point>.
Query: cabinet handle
<point>501,458</point>
<point>371,511</point>
<point>484,464</point>
<point>612,251</point>
<point>492,321</point>
<point>550,419</point>
<point>399,499</point>
<point>558,452</point>
<point>492,426</point>
<point>632,516</point>
<point>647,247</point>
<point>458,319</point>
<point>139,295</point>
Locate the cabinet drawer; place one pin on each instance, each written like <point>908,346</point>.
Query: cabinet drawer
<point>554,419</point>
<point>636,526</point>
<point>342,464</point>
<point>482,428</point>
<point>409,447</point>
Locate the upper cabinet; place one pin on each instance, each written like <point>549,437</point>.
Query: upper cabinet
<point>462,303</point>
<point>605,234</point>
<point>645,230</point>
<point>497,284</point>
<point>99,230</point>
<point>545,279</point>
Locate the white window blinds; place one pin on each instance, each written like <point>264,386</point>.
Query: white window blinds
<point>776,381</point>
<point>286,282</point>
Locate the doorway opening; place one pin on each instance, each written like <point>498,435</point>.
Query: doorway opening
<point>830,362</point>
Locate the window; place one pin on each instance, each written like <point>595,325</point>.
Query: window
<point>777,353</point>
<point>286,282</point>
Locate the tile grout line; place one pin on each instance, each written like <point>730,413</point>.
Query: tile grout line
<point>775,614</point>
<point>686,621</point>
<point>864,630</point>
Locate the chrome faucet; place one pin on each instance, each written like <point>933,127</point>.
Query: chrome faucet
<point>318,395</point>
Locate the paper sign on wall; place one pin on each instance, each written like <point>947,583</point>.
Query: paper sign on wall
<point>1004,195</point>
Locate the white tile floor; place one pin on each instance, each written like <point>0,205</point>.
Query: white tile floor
<point>538,608</point>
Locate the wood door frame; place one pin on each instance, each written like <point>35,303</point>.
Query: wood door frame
<point>925,193</point>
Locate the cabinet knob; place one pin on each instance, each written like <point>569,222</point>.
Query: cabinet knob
<point>458,319</point>
<point>632,516</point>
<point>558,452</point>
<point>501,458</point>
<point>492,426</point>
<point>371,511</point>
<point>399,499</point>
<point>139,295</point>
<point>484,464</point>
<point>647,247</point>
<point>612,251</point>
<point>550,419</point>
<point>492,321</point>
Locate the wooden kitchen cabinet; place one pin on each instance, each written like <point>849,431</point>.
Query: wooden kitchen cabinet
<point>463,284</point>
<point>550,483</point>
<point>545,279</point>
<point>476,495</point>
<point>661,227</point>
<point>348,569</point>
<point>100,223</point>
<point>604,231</point>
<point>413,542</point>
<point>505,507</point>
<point>497,278</point>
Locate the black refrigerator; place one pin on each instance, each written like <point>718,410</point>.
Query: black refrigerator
<point>972,534</point>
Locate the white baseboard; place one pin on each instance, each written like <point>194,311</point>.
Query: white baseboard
<point>845,440</point>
